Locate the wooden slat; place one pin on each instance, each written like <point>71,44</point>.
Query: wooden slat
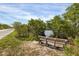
<point>53,41</point>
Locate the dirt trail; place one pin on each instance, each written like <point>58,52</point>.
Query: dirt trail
<point>34,48</point>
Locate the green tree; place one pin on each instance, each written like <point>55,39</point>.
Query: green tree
<point>72,15</point>
<point>55,25</point>
<point>17,26</point>
<point>21,29</point>
<point>4,26</point>
<point>61,27</point>
<point>36,26</point>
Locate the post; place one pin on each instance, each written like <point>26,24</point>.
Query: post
<point>46,41</point>
<point>39,40</point>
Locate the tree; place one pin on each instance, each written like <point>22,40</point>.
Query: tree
<point>72,14</point>
<point>61,27</point>
<point>36,27</point>
<point>21,29</point>
<point>55,25</point>
<point>17,25</point>
<point>4,26</point>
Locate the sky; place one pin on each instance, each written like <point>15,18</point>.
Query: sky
<point>22,12</point>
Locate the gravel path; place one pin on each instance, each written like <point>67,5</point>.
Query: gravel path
<point>5,32</point>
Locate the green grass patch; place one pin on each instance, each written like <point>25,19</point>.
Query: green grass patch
<point>9,41</point>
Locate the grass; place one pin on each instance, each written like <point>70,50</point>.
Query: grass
<point>9,44</point>
<point>72,50</point>
<point>12,46</point>
<point>9,41</point>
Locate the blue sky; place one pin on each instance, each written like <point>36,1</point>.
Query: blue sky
<point>11,12</point>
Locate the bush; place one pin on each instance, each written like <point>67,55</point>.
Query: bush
<point>21,29</point>
<point>4,26</point>
<point>72,50</point>
<point>36,26</point>
<point>32,37</point>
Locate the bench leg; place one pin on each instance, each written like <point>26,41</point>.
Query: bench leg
<point>39,41</point>
<point>46,42</point>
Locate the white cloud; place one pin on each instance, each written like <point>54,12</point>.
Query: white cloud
<point>18,14</point>
<point>47,18</point>
<point>13,10</point>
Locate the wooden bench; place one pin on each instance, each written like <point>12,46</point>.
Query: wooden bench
<point>56,42</point>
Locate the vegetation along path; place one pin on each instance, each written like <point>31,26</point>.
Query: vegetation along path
<point>5,32</point>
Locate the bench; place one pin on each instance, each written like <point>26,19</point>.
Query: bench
<point>55,42</point>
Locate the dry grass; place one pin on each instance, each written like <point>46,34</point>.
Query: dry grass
<point>31,48</point>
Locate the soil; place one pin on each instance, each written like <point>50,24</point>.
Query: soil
<point>33,48</point>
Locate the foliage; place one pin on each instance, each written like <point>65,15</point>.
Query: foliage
<point>72,50</point>
<point>30,31</point>
<point>32,37</point>
<point>55,25</point>
<point>21,29</point>
<point>4,26</point>
<point>72,15</point>
<point>72,12</point>
<point>67,26</point>
<point>63,27</point>
<point>36,27</point>
<point>60,27</point>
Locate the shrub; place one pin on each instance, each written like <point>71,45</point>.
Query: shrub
<point>32,37</point>
<point>72,50</point>
<point>21,29</point>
